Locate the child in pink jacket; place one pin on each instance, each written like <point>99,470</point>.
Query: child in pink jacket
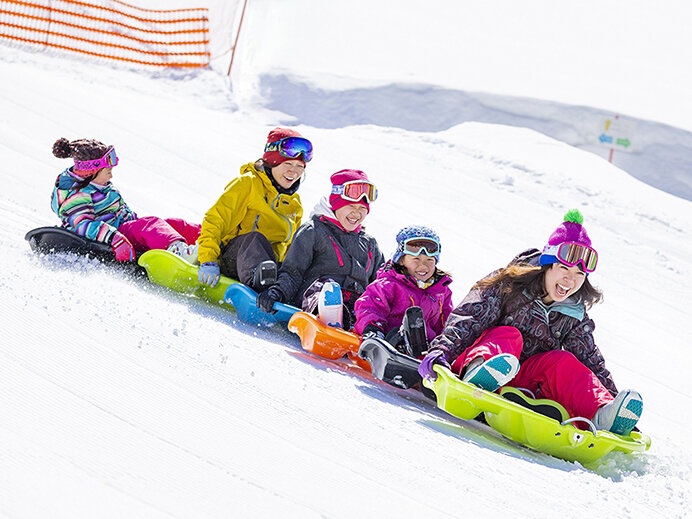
<point>410,279</point>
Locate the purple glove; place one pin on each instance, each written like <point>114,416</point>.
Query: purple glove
<point>426,365</point>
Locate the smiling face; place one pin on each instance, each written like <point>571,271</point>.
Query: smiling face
<point>420,267</point>
<point>351,216</point>
<point>561,281</point>
<point>288,172</point>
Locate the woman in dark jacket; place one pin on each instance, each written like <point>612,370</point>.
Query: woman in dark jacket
<point>331,246</point>
<point>533,314</point>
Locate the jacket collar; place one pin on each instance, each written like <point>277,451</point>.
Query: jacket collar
<point>573,306</point>
<point>440,279</point>
<point>268,179</point>
<point>323,211</point>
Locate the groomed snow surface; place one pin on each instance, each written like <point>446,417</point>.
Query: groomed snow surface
<point>121,399</point>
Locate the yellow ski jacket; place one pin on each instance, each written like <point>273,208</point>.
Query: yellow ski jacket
<point>249,203</point>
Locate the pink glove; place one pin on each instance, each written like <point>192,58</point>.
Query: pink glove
<point>123,249</point>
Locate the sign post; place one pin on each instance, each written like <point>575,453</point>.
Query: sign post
<point>616,133</point>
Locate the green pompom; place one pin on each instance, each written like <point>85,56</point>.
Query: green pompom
<point>574,216</point>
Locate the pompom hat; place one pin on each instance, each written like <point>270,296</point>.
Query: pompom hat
<point>341,177</point>
<point>81,150</point>
<point>570,230</point>
<point>414,231</point>
<point>274,158</point>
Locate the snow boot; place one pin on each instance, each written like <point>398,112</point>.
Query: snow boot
<point>330,305</point>
<point>185,251</point>
<point>264,276</point>
<point>492,373</point>
<point>621,415</point>
<point>413,330</point>
<point>549,408</point>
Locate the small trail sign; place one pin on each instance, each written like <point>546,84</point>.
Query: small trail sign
<point>617,134</point>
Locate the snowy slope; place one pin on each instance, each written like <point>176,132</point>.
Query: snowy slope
<point>561,69</point>
<point>120,399</point>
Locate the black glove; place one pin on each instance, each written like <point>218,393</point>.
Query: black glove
<point>266,300</point>
<point>374,330</point>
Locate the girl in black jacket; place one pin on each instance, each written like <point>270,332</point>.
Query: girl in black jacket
<point>331,246</point>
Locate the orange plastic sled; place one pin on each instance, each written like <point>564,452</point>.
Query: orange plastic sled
<point>325,341</point>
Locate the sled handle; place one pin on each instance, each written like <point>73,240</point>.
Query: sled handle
<point>582,419</point>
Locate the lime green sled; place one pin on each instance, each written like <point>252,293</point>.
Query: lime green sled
<point>524,426</point>
<point>171,271</point>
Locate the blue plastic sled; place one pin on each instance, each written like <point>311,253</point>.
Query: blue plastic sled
<point>244,300</point>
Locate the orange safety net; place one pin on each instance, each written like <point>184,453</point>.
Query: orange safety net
<point>110,29</point>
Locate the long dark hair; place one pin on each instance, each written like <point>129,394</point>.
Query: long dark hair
<point>515,279</point>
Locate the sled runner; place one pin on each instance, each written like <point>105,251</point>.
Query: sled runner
<point>539,432</point>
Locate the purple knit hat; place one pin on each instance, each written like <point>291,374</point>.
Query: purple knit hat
<point>570,230</point>
<point>340,178</point>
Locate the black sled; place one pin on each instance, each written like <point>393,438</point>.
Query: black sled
<point>51,240</point>
<point>392,366</point>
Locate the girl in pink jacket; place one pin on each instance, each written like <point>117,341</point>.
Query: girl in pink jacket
<point>411,279</point>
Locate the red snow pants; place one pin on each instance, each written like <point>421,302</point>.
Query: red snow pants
<point>152,232</point>
<point>557,375</point>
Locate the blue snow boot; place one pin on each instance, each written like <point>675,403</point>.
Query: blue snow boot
<point>492,373</point>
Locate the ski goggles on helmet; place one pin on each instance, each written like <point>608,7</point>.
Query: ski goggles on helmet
<point>355,190</point>
<point>571,254</point>
<point>416,246</point>
<point>109,160</point>
<point>292,147</point>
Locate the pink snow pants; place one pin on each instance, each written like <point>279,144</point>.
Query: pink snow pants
<point>152,232</point>
<point>557,375</point>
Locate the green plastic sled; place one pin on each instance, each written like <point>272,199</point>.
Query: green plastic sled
<point>166,269</point>
<point>524,426</point>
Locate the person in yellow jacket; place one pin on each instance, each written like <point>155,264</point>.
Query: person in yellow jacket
<point>249,229</point>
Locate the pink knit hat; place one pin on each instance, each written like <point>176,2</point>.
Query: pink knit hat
<point>570,229</point>
<point>274,158</point>
<point>341,177</point>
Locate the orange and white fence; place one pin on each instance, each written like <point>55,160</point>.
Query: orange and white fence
<point>110,29</point>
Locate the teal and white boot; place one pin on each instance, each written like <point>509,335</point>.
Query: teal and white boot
<point>493,373</point>
<point>621,415</point>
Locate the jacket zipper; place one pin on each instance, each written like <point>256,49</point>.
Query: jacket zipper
<point>338,253</point>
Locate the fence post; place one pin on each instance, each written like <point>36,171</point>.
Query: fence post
<point>237,36</point>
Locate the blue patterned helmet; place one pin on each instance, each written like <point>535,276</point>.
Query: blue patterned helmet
<point>415,240</point>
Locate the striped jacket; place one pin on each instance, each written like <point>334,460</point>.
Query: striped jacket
<point>94,211</point>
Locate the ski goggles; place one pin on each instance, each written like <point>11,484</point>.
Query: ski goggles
<point>109,160</point>
<point>355,190</point>
<point>571,254</point>
<point>292,147</point>
<point>416,246</point>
